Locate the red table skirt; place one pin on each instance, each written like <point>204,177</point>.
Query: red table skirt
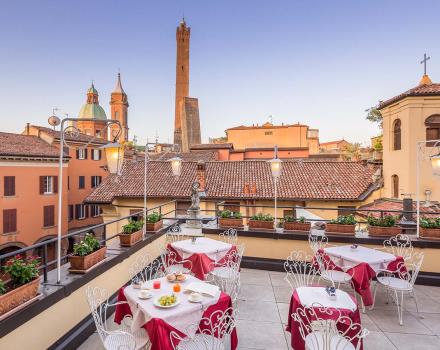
<point>293,326</point>
<point>362,274</point>
<point>201,264</point>
<point>159,331</point>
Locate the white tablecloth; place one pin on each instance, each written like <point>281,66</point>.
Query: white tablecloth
<point>180,317</point>
<point>346,257</point>
<point>215,250</point>
<point>310,296</point>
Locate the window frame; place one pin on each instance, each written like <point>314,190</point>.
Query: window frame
<point>395,186</point>
<point>48,216</point>
<point>48,185</point>
<point>80,209</point>
<point>83,182</point>
<point>95,180</point>
<point>5,228</point>
<point>9,186</point>
<point>397,135</point>
<point>95,211</point>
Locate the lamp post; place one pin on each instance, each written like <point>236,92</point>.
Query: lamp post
<point>176,168</point>
<point>275,167</point>
<point>111,160</point>
<point>434,158</point>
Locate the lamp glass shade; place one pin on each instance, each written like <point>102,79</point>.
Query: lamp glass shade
<point>435,163</point>
<point>176,165</point>
<point>275,167</point>
<point>114,153</point>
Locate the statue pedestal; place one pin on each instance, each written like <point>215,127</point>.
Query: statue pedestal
<point>194,218</point>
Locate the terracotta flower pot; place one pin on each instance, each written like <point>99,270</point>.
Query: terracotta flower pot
<point>379,231</point>
<point>230,222</point>
<point>128,239</point>
<point>338,229</point>
<point>296,226</point>
<point>83,263</point>
<point>431,233</point>
<point>257,224</point>
<point>18,296</point>
<point>153,227</point>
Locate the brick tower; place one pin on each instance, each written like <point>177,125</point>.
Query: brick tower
<point>119,110</point>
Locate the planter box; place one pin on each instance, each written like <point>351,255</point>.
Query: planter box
<point>379,231</point>
<point>430,233</point>
<point>296,226</point>
<point>153,226</point>
<point>230,222</point>
<point>18,296</point>
<point>83,263</point>
<point>128,239</point>
<point>337,229</point>
<point>257,224</point>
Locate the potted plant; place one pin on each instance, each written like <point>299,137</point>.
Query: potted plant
<point>131,233</point>
<point>86,253</point>
<point>383,226</point>
<point>154,222</point>
<point>228,218</point>
<point>430,228</point>
<point>293,224</point>
<point>344,225</point>
<point>261,221</point>
<point>22,284</point>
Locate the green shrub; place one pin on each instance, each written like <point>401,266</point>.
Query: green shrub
<point>386,221</point>
<point>132,226</point>
<point>2,287</point>
<point>262,217</point>
<point>430,223</point>
<point>87,246</point>
<point>21,270</point>
<point>227,214</point>
<point>289,218</point>
<point>344,220</point>
<point>153,218</point>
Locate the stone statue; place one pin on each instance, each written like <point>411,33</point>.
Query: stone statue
<point>195,197</point>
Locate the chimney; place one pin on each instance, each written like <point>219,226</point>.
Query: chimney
<point>407,209</point>
<point>246,189</point>
<point>201,175</point>
<point>254,189</point>
<point>28,125</point>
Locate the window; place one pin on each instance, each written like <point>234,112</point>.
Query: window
<point>96,154</point>
<point>80,211</point>
<point>138,216</point>
<point>232,206</point>
<point>395,186</point>
<point>397,135</point>
<point>81,182</point>
<point>81,153</point>
<point>268,133</point>
<point>96,210</point>
<point>68,182</point>
<point>48,215</point>
<point>432,124</point>
<point>289,212</point>
<point>98,133</point>
<point>48,184</point>
<point>9,186</point>
<point>343,210</point>
<point>66,150</point>
<point>96,180</point>
<point>9,220</point>
<point>70,212</point>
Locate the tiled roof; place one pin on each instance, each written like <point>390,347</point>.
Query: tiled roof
<point>192,156</point>
<point>302,180</point>
<point>18,145</point>
<point>208,146</point>
<point>331,142</point>
<point>389,204</point>
<point>420,90</point>
<point>80,137</point>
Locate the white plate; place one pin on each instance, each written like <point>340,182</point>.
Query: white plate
<point>156,302</point>
<point>144,297</point>
<point>191,300</point>
<point>176,281</point>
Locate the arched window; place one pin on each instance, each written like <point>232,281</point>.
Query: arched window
<point>395,186</point>
<point>432,124</point>
<point>397,135</point>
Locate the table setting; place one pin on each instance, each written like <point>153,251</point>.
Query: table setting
<point>172,303</point>
<point>203,253</point>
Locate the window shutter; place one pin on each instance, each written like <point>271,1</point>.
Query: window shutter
<point>87,210</point>
<point>92,182</point>
<point>42,184</point>
<point>55,184</point>
<point>85,153</point>
<point>77,153</point>
<point>9,220</point>
<point>100,154</point>
<point>77,211</point>
<point>68,182</point>
<point>9,185</point>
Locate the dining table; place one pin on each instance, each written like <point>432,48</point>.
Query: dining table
<point>159,322</point>
<point>202,254</point>
<point>317,298</point>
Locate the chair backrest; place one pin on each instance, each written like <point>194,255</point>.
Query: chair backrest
<point>97,299</point>
<point>229,281</point>
<point>229,236</point>
<point>410,270</point>
<point>299,269</point>
<point>399,245</point>
<point>317,242</point>
<point>169,258</point>
<point>327,328</point>
<point>174,233</point>
<point>209,333</point>
<point>145,268</point>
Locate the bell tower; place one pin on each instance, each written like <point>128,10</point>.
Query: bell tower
<point>182,77</point>
<point>119,110</point>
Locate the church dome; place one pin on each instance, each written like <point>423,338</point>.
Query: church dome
<point>92,110</point>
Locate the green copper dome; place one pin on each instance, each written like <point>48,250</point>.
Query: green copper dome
<point>92,90</point>
<point>92,110</point>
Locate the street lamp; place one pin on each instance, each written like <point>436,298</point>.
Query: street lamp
<point>435,163</point>
<point>275,167</point>
<point>176,166</point>
<point>55,121</point>
<point>114,153</point>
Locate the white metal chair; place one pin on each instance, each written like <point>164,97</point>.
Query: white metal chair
<point>399,245</point>
<point>121,338</point>
<point>299,270</point>
<point>227,278</point>
<point>400,281</point>
<point>172,263</point>
<point>229,236</point>
<point>317,242</point>
<point>145,268</point>
<point>318,327</point>
<point>174,234</point>
<point>209,334</point>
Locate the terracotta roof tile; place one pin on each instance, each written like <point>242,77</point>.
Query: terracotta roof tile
<point>18,145</point>
<point>80,137</point>
<point>386,204</point>
<point>300,180</point>
<point>208,146</point>
<point>421,90</point>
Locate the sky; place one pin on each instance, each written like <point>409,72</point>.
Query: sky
<point>320,63</point>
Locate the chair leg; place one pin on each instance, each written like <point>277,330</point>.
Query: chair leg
<point>399,306</point>
<point>413,294</point>
<point>374,296</point>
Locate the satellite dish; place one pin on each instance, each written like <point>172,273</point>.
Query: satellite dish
<point>54,121</point>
